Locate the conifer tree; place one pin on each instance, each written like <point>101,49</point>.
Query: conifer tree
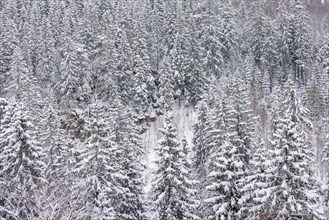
<point>143,79</point>
<point>323,56</point>
<point>166,86</point>
<point>229,38</point>
<point>325,160</point>
<point>245,129</point>
<point>178,56</point>
<point>201,133</point>
<point>301,43</point>
<point>254,184</point>
<point>128,200</point>
<point>188,197</point>
<point>21,85</point>
<point>210,38</point>
<point>195,80</point>
<point>284,30</point>
<point>260,35</point>
<point>46,68</point>
<point>21,165</point>
<point>291,189</point>
<point>94,168</point>
<point>157,19</point>
<point>122,58</point>
<point>169,187</point>
<point>69,84</point>
<point>226,169</point>
<point>202,136</point>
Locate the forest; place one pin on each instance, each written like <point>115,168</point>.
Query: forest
<point>164,109</point>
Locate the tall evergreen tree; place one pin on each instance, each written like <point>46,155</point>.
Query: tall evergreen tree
<point>129,200</point>
<point>284,27</point>
<point>229,38</point>
<point>94,168</point>
<point>195,80</point>
<point>260,36</point>
<point>21,165</point>
<point>143,79</point>
<point>166,85</point>
<point>225,169</point>
<point>291,189</point>
<point>169,187</point>
<point>301,43</point>
<point>210,38</point>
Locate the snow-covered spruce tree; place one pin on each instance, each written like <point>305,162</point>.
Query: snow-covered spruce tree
<point>57,203</point>
<point>8,39</point>
<point>169,29</point>
<point>210,38</point>
<point>46,67</point>
<point>195,81</point>
<point>3,104</point>
<point>254,183</point>
<point>325,161</point>
<point>156,21</point>
<point>302,42</point>
<point>128,199</point>
<point>226,168</point>
<point>229,38</point>
<point>190,201</point>
<point>56,141</point>
<point>179,52</point>
<point>69,83</point>
<point>91,40</point>
<point>315,101</point>
<point>323,56</point>
<point>122,58</point>
<point>142,73</point>
<point>245,128</point>
<point>284,29</point>
<point>260,36</point>
<point>290,189</point>
<point>21,85</point>
<point>166,85</point>
<point>94,168</point>
<point>32,38</point>
<point>21,165</point>
<point>202,133</point>
<point>170,187</point>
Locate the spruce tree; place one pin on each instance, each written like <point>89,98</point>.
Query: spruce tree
<point>201,133</point>
<point>291,189</point>
<point>229,38</point>
<point>166,86</point>
<point>22,165</point>
<point>195,81</point>
<point>260,36</point>
<point>284,30</point>
<point>210,38</point>
<point>169,187</point>
<point>255,181</point>
<point>189,200</point>
<point>128,199</point>
<point>143,79</point>
<point>226,168</point>
<point>301,43</point>
<point>94,168</point>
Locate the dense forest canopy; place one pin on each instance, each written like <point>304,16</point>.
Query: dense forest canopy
<point>82,81</point>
